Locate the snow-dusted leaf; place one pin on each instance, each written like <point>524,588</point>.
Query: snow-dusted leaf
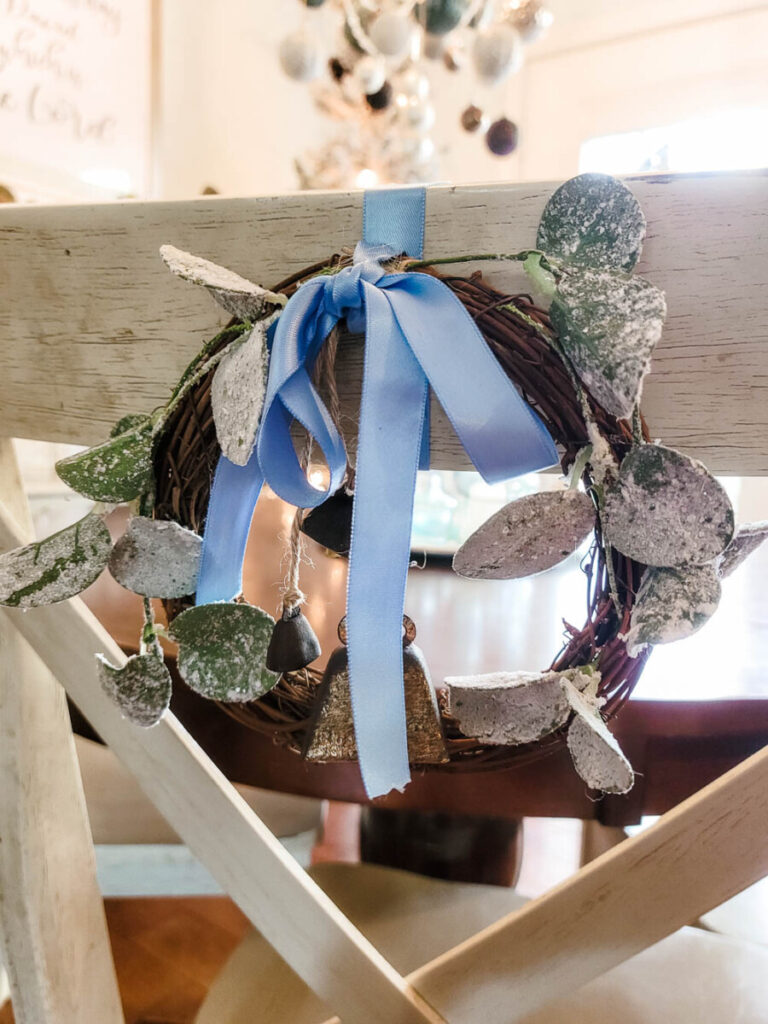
<point>527,536</point>
<point>746,539</point>
<point>117,470</point>
<point>157,558</point>
<point>129,422</point>
<point>671,604</point>
<point>223,649</point>
<point>238,296</point>
<point>595,221</point>
<point>56,568</point>
<point>596,755</point>
<point>237,394</point>
<point>608,323</point>
<point>141,688</point>
<point>667,509</point>
<point>508,708</point>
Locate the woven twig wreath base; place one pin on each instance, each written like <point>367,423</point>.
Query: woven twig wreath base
<point>186,459</point>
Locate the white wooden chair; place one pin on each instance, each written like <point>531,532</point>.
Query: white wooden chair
<point>91,329</point>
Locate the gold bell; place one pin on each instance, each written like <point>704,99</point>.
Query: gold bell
<point>331,735</point>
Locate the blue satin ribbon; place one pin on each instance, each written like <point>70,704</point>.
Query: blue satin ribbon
<point>417,334</point>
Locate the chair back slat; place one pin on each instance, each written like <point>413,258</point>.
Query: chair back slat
<point>93,327</point>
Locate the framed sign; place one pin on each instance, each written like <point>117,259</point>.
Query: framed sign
<point>75,97</point>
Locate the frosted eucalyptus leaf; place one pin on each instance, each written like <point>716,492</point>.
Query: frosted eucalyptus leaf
<point>240,297</point>
<point>747,539</point>
<point>667,509</point>
<point>237,394</point>
<point>608,323</point>
<point>157,558</point>
<point>56,568</point>
<point>596,755</point>
<point>223,649</point>
<point>595,221</point>
<point>128,422</point>
<point>671,604</point>
<point>527,536</point>
<point>141,688</point>
<point>117,470</point>
<point>508,708</point>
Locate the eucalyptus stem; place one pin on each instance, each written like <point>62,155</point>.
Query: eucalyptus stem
<point>499,257</point>
<point>149,643</point>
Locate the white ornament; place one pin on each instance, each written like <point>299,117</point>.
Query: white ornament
<point>414,85</point>
<point>300,57</point>
<point>420,115</point>
<point>391,34</point>
<point>497,53</point>
<point>370,74</point>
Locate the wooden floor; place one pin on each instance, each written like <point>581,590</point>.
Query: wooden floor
<point>167,952</point>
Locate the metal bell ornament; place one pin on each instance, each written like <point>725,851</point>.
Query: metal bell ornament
<point>294,644</point>
<point>331,736</point>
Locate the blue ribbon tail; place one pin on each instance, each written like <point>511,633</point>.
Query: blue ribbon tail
<point>389,444</point>
<point>234,494</point>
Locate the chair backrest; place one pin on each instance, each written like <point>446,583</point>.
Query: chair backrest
<point>91,329</point>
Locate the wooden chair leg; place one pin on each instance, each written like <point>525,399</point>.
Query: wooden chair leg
<point>597,838</point>
<point>55,943</point>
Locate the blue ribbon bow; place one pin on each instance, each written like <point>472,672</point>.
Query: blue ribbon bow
<point>417,334</point>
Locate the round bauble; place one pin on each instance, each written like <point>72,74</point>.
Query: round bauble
<point>442,16</point>
<point>531,20</point>
<point>391,34</point>
<point>381,99</point>
<point>300,57</point>
<point>497,53</point>
<point>501,137</point>
<point>370,74</point>
<point>420,115</point>
<point>314,3</point>
<point>413,85</point>
<point>472,118</point>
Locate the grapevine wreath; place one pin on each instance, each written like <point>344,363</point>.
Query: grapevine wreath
<point>577,349</point>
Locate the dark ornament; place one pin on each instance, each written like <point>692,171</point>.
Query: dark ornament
<point>501,137</point>
<point>330,524</point>
<point>336,69</point>
<point>331,736</point>
<point>442,16</point>
<point>471,118</point>
<point>314,3</point>
<point>380,99</point>
<point>294,644</point>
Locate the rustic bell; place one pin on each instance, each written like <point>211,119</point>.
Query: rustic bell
<point>331,736</point>
<point>294,644</point>
<point>330,524</point>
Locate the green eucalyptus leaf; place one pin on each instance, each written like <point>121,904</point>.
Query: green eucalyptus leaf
<point>117,470</point>
<point>223,650</point>
<point>593,220</point>
<point>141,688</point>
<point>671,604</point>
<point>608,324</point>
<point>666,509</point>
<point>128,422</point>
<point>56,568</point>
